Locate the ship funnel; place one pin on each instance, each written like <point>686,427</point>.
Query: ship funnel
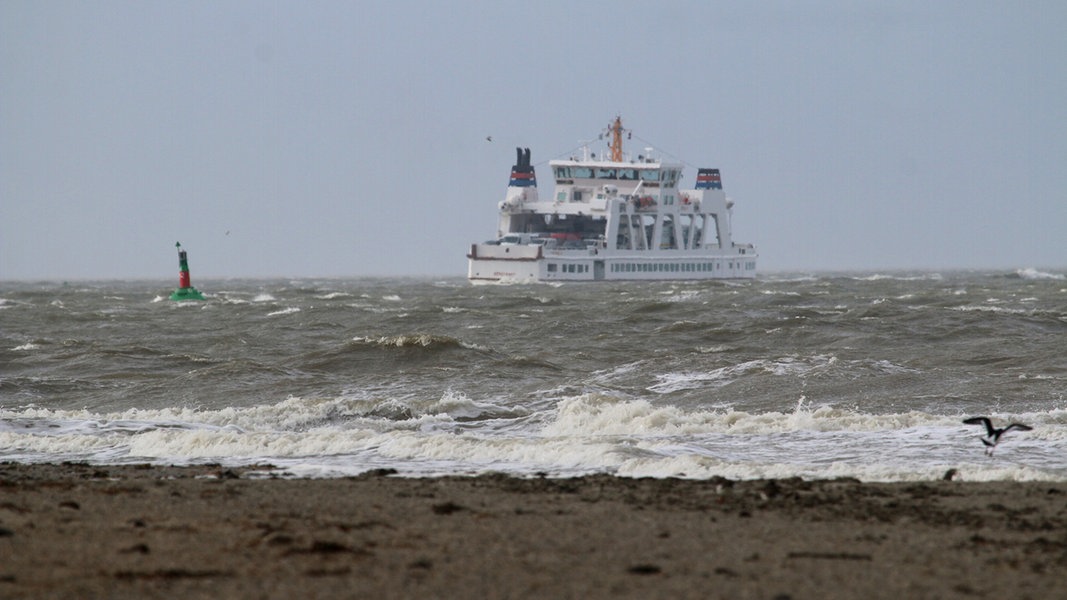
<point>709,179</point>
<point>522,174</point>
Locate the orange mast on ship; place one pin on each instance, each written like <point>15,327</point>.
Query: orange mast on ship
<point>615,129</point>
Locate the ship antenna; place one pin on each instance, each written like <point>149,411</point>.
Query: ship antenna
<point>615,129</point>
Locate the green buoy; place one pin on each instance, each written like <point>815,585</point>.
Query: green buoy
<point>185,289</point>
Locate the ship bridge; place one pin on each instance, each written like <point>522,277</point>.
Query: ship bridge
<point>580,182</point>
<point>626,176</point>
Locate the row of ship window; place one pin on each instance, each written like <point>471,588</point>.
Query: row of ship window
<point>568,268</point>
<point>668,175</point>
<point>651,267</point>
<point>673,267</point>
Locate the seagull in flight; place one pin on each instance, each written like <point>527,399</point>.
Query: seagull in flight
<point>993,434</point>
<point>488,138</point>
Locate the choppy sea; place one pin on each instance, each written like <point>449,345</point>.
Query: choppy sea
<point>865,375</point>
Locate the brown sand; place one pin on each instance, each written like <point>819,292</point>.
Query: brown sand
<point>77,531</point>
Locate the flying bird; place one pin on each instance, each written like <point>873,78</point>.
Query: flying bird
<point>993,434</point>
<point>488,138</point>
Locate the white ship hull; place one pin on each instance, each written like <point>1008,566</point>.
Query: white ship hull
<point>547,266</point>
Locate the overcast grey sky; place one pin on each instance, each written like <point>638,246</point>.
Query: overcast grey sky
<point>348,138</point>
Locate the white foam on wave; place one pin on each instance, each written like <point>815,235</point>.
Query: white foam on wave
<point>418,339</point>
<point>587,414</point>
<point>606,415</point>
<point>715,378</point>
<point>255,446</point>
<point>1031,273</point>
<point>521,454</point>
<point>1002,310</point>
<point>295,414</point>
<point>680,295</point>
<point>285,311</point>
<point>582,434</point>
<point>459,406</point>
<point>18,446</point>
<point>899,277</point>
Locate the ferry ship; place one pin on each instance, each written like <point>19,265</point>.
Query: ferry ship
<point>612,219</point>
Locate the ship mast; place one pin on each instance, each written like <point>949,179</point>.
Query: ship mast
<point>615,129</point>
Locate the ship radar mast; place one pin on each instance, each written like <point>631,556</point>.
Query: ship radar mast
<point>615,129</point>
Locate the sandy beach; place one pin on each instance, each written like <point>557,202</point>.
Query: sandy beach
<point>86,531</point>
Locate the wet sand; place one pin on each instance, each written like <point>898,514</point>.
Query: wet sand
<point>79,531</point>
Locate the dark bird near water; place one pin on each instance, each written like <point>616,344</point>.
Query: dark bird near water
<point>993,434</point>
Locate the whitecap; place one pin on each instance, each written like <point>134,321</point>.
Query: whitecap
<point>1031,273</point>
<point>285,311</point>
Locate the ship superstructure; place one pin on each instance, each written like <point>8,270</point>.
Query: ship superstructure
<point>614,218</point>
